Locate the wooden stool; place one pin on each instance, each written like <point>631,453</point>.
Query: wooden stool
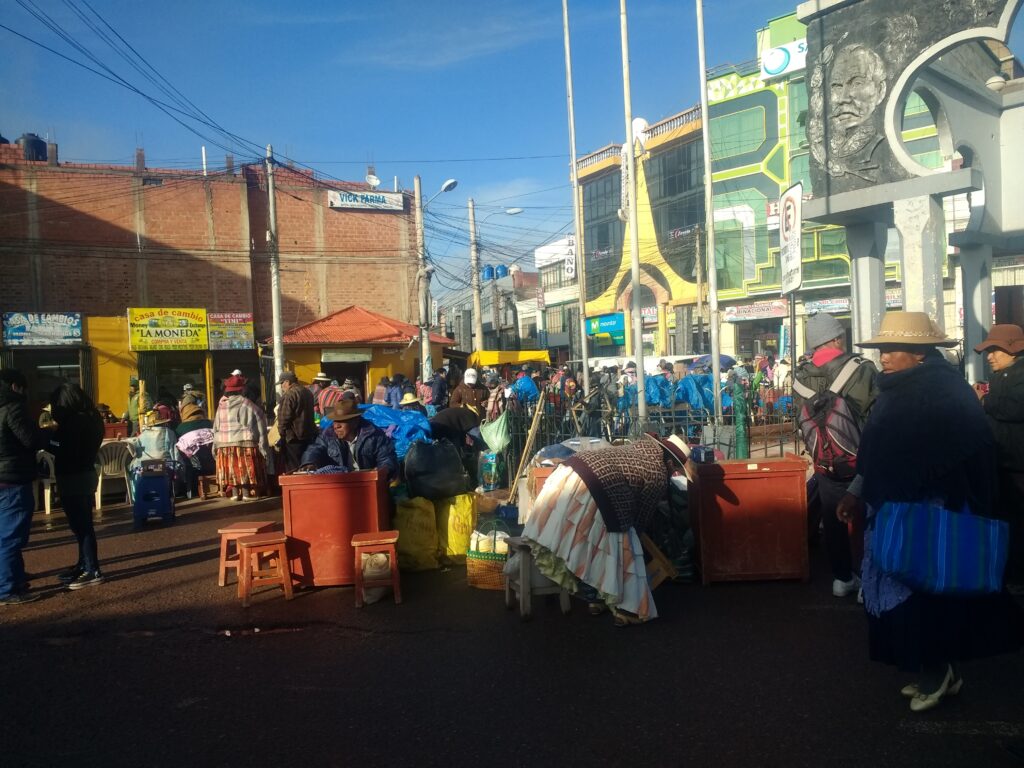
<point>207,483</point>
<point>229,553</point>
<point>529,581</point>
<point>660,567</point>
<point>251,550</point>
<point>367,544</point>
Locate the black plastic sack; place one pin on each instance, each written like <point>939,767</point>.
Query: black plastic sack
<point>434,471</point>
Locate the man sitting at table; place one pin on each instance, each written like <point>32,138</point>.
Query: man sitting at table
<point>352,443</point>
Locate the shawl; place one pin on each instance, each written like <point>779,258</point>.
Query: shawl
<point>926,439</point>
<point>240,422</point>
<point>626,482</point>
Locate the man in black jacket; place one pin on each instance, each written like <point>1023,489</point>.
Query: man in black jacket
<point>19,439</point>
<point>295,418</point>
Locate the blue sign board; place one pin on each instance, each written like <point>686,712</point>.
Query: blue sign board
<point>42,329</point>
<point>607,329</point>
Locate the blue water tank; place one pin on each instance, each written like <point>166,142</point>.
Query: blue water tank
<point>501,271</point>
<point>488,273</point>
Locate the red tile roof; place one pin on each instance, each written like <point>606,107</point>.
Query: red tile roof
<point>358,326</point>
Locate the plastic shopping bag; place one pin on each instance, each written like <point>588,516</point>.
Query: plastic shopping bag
<point>455,518</point>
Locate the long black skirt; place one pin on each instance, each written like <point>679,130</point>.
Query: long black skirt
<point>932,630</point>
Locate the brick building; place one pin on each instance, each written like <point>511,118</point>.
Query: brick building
<point>85,243</point>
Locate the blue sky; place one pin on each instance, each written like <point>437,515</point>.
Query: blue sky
<point>434,87</point>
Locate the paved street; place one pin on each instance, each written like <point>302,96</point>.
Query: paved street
<point>142,671</point>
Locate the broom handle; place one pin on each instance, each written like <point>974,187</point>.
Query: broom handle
<point>527,447</point>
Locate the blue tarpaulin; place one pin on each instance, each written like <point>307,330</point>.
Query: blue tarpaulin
<point>525,390</point>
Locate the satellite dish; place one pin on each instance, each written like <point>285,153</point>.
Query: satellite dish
<point>372,180</point>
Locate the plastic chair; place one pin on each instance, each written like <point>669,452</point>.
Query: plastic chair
<point>112,464</point>
<point>47,481</point>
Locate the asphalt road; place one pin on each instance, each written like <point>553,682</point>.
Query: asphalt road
<point>160,667</point>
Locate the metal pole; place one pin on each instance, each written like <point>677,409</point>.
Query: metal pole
<point>275,269</point>
<point>634,228</point>
<point>423,285</point>
<point>709,216</point>
<point>700,292</point>
<point>474,265</point>
<point>581,279</point>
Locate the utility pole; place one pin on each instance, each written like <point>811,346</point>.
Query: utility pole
<point>700,292</point>
<point>423,284</point>
<point>581,274</point>
<point>275,270</point>
<point>634,227</point>
<point>474,266</point>
<point>709,217</point>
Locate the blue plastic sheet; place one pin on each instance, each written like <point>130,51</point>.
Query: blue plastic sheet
<point>525,390</point>
<point>404,427</point>
<point>658,391</point>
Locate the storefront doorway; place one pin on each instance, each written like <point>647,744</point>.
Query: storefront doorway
<point>355,371</point>
<point>47,369</point>
<point>166,373</point>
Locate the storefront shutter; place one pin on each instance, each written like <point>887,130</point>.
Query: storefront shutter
<point>7,358</point>
<point>147,371</point>
<point>86,372</point>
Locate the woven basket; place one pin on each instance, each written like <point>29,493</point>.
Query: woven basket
<point>484,569</point>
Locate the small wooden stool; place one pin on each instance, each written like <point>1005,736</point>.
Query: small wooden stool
<point>251,550</point>
<point>660,567</point>
<point>207,484</point>
<point>529,581</point>
<point>229,536</point>
<point>367,544</point>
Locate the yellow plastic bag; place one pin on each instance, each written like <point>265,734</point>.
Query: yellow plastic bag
<point>417,534</point>
<point>455,518</point>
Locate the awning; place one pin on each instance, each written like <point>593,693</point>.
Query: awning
<point>488,357</point>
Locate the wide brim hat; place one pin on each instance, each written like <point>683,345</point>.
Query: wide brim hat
<point>155,417</point>
<point>908,329</point>
<point>408,399</point>
<point>322,377</point>
<point>1005,336</point>
<point>345,410</point>
<point>674,446</point>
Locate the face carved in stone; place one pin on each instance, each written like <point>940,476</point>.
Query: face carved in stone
<point>857,86</point>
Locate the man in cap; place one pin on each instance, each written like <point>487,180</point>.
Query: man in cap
<point>829,360</point>
<point>295,414</point>
<point>351,442</point>
<point>135,407</point>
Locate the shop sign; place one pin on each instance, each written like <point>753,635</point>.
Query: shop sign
<point>787,58</point>
<point>374,201</point>
<point>607,329</point>
<point>156,329</point>
<point>348,355</point>
<point>759,310</point>
<point>840,305</point>
<point>42,329</point>
<point>231,330</point>
<point>790,238</point>
<point>893,298</point>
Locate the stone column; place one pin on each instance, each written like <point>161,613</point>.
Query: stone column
<point>976,283</point>
<point>922,227</point>
<point>866,245</point>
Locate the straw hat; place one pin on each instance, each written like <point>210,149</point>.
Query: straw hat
<point>321,376</point>
<point>1009,338</point>
<point>915,329</point>
<point>408,399</point>
<point>675,447</point>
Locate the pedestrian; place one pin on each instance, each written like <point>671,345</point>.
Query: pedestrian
<point>295,418</point>
<point>349,385</point>
<point>830,361</point>
<point>470,394</point>
<point>137,404</point>
<point>156,442</point>
<point>587,520</point>
<point>240,444</point>
<point>320,382</point>
<point>496,400</point>
<point>74,443</point>
<point>782,376</point>
<point>926,440</point>
<point>439,390</point>
<point>1003,401</point>
<point>380,394</point>
<point>195,444</point>
<point>412,403</point>
<point>190,396</point>
<point>19,439</point>
<point>352,444</point>
<point>326,399</point>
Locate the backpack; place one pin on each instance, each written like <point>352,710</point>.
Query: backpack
<point>830,426</point>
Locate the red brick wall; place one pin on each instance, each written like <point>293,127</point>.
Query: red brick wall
<point>98,239</point>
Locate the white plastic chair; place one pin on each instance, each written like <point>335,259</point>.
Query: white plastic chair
<point>46,483</point>
<point>112,464</point>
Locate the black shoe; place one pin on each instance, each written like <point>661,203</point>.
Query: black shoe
<point>69,575</point>
<point>17,598</point>
<point>86,579</point>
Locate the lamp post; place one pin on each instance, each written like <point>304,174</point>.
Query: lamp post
<point>423,274</point>
<point>474,265</point>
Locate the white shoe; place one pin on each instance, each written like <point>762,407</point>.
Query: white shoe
<point>845,588</point>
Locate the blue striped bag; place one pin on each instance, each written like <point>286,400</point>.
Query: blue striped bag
<point>931,549</point>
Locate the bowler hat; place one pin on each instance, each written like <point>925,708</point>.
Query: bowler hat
<point>674,446</point>
<point>287,376</point>
<point>1004,336</point>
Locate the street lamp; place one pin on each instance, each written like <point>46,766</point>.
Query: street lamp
<point>474,266</point>
<point>423,274</point>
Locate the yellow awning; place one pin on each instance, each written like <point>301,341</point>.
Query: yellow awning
<point>486,357</point>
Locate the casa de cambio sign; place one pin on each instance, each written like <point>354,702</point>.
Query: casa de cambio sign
<point>152,329</point>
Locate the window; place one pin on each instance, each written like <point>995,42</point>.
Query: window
<point>554,320</point>
<point>738,133</point>
<point>675,171</point>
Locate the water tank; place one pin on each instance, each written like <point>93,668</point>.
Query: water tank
<point>488,273</point>
<point>501,271</point>
<point>32,146</point>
